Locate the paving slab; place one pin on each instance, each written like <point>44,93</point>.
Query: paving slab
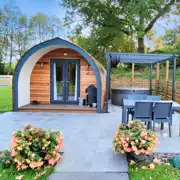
<point>89,176</point>
<point>168,145</point>
<point>87,142</point>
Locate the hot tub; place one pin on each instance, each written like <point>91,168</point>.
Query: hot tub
<point>118,94</point>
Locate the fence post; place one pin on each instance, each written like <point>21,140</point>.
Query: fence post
<point>167,79</point>
<point>150,78</point>
<point>132,78</point>
<point>174,80</point>
<point>157,77</point>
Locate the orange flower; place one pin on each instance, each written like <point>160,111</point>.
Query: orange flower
<point>35,164</point>
<point>14,141</point>
<point>116,135</point>
<point>134,148</point>
<point>132,143</point>
<point>157,161</point>
<point>128,149</point>
<point>57,148</point>
<point>30,138</point>
<point>143,134</point>
<point>24,166</point>
<point>52,161</point>
<point>13,153</point>
<point>47,167</point>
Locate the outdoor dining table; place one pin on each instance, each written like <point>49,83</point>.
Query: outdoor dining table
<point>130,104</point>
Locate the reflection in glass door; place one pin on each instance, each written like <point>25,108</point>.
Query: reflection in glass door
<point>65,86</point>
<point>58,81</point>
<point>72,81</point>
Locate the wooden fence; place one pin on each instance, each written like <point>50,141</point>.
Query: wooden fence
<point>159,87</point>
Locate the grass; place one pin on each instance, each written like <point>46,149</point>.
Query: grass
<point>144,73</point>
<point>12,174</point>
<point>5,98</point>
<point>160,172</point>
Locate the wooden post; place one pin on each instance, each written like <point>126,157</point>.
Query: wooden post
<point>167,78</point>
<point>157,78</point>
<point>132,78</point>
<point>174,80</point>
<point>150,79</point>
<point>157,72</point>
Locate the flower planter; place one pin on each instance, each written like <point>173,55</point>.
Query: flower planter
<point>139,158</point>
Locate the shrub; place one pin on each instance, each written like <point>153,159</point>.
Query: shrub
<point>134,137</point>
<point>35,148</point>
<point>5,158</point>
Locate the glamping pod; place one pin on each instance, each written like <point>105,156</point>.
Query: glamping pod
<point>53,75</point>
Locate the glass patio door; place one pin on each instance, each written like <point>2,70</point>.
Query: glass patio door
<point>65,86</point>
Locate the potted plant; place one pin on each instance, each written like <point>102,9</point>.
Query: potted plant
<point>134,139</point>
<point>35,148</point>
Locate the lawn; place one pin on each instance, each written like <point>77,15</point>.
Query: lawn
<point>12,174</point>
<point>5,98</point>
<point>160,172</point>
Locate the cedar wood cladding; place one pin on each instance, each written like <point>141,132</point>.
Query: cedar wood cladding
<point>40,77</point>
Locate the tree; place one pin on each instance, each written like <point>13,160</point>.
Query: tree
<point>38,25</point>
<point>2,65</point>
<point>22,37</point>
<point>133,18</point>
<point>104,39</point>
<point>171,36</point>
<point>44,27</point>
<point>158,43</point>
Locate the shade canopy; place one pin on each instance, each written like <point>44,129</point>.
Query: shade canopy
<point>114,58</point>
<point>137,58</point>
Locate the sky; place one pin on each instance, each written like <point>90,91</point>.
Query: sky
<point>31,7</point>
<point>51,7</point>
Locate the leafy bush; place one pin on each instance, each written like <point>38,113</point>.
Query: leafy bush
<point>35,148</point>
<point>134,137</point>
<point>5,158</point>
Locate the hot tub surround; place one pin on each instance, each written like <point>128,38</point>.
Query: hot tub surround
<point>118,94</point>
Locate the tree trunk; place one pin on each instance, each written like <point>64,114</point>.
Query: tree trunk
<point>140,45</point>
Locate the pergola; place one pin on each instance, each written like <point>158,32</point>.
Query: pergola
<point>114,58</point>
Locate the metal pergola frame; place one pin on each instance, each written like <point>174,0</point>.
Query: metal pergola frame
<point>114,58</point>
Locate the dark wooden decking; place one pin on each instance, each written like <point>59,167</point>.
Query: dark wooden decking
<point>56,108</point>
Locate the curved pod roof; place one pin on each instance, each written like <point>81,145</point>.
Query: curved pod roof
<point>22,74</point>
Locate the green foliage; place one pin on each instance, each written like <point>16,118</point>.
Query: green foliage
<point>19,33</point>
<point>9,69</point>
<point>35,148</point>
<point>173,49</point>
<point>129,17</point>
<point>2,67</point>
<point>104,39</point>
<point>29,174</point>
<point>5,159</point>
<point>172,36</point>
<point>160,172</point>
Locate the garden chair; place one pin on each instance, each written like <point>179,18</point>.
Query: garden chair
<point>134,97</point>
<point>156,98</point>
<point>162,114</point>
<point>143,111</point>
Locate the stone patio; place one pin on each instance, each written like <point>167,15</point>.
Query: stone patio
<point>87,142</point>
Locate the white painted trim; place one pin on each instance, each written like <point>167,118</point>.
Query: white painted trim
<point>25,75</point>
